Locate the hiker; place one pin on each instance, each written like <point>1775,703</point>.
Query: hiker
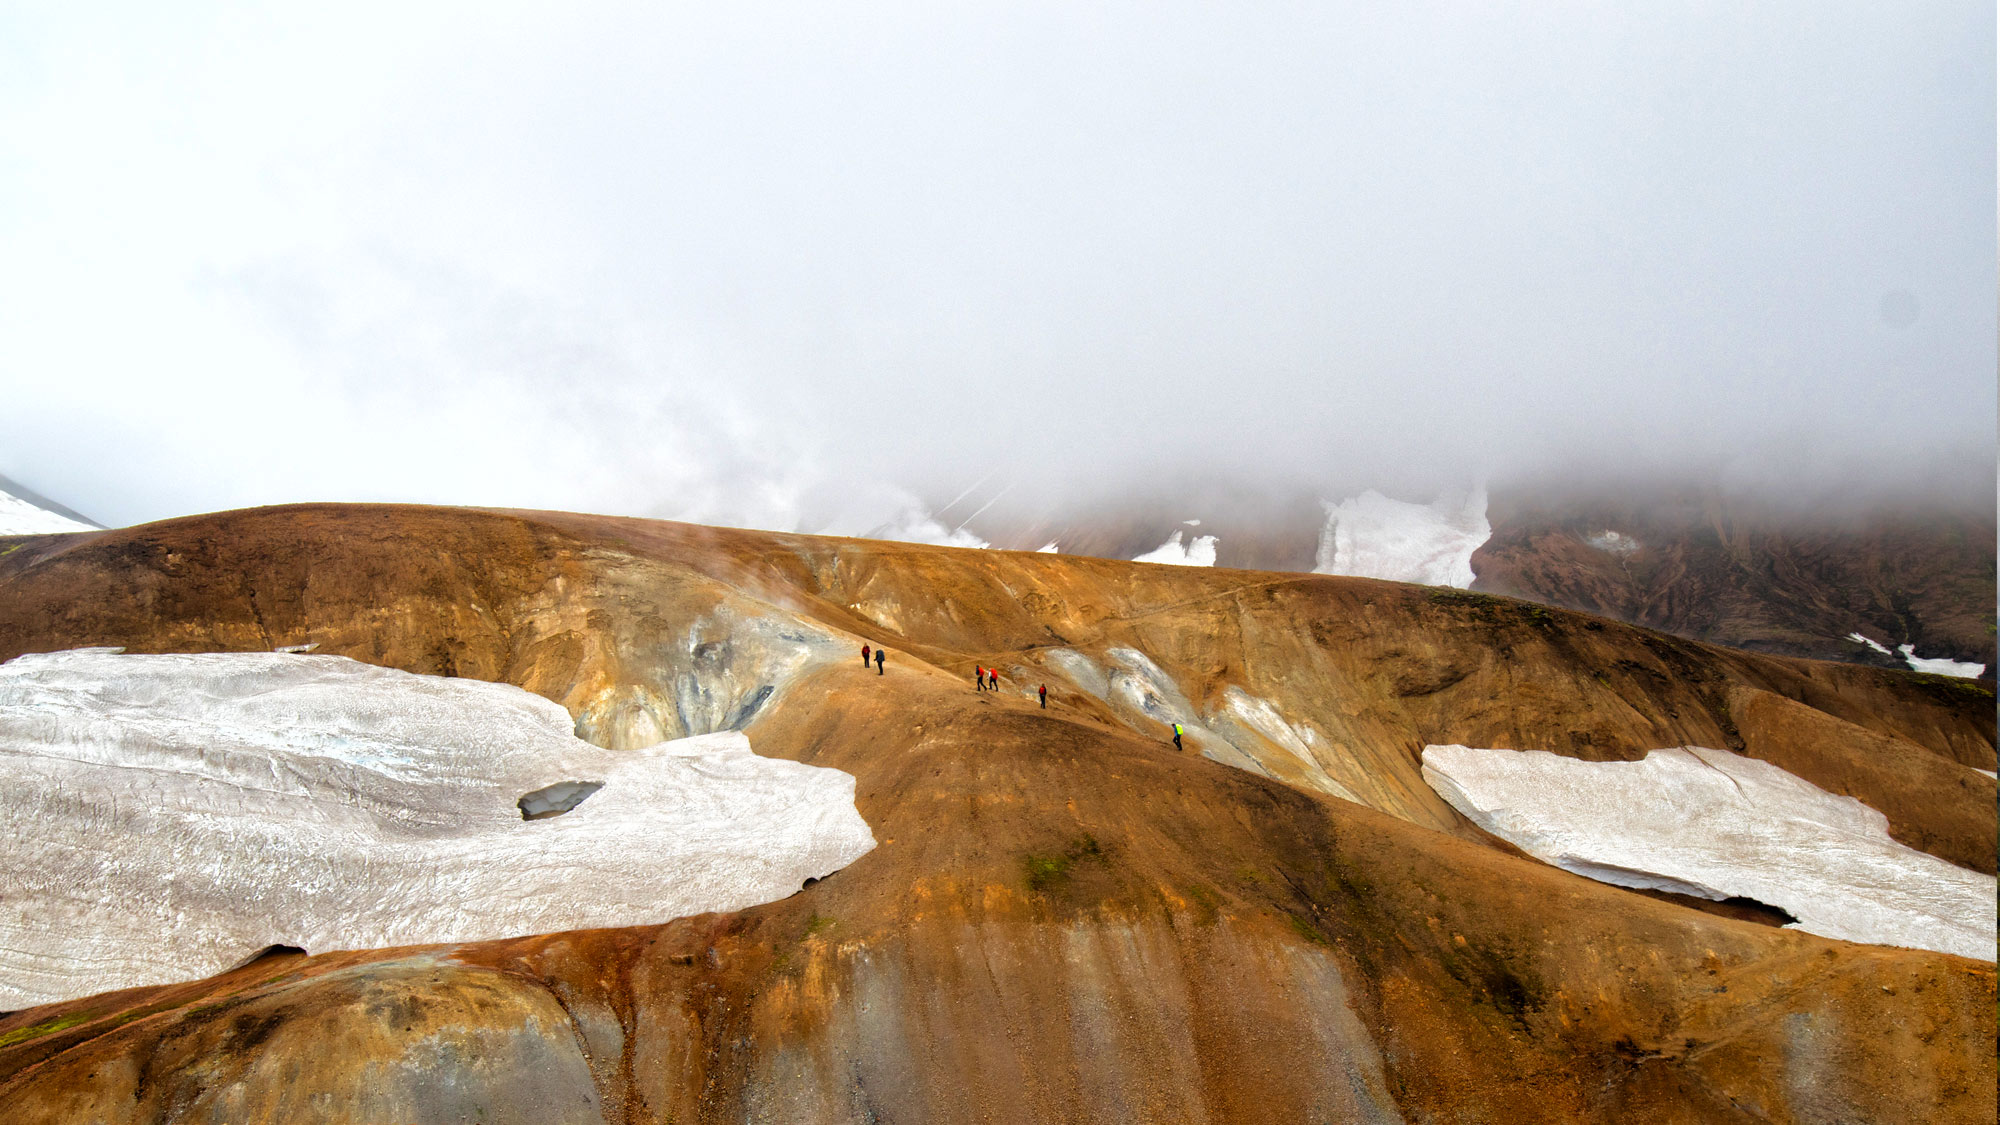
<point>978,678</point>
<point>1177,736</point>
<point>1043,692</point>
<point>864,656</point>
<point>993,679</point>
<point>881,654</point>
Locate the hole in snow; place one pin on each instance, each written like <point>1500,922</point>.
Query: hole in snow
<point>268,951</point>
<point>555,800</point>
<point>1750,910</point>
<point>1736,906</point>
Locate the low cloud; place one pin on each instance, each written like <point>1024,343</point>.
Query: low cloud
<point>819,269</point>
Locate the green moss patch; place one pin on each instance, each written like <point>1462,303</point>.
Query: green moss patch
<point>60,1023</point>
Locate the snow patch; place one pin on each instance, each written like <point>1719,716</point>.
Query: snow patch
<point>19,517</point>
<point>1876,645</point>
<point>1048,548</point>
<point>169,816</point>
<point>1940,666</point>
<point>1372,536</point>
<point>1200,552</point>
<point>1936,666</point>
<point>1719,825</point>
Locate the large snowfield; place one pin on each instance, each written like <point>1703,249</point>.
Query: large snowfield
<point>1372,536</point>
<point>1719,825</point>
<point>171,816</point>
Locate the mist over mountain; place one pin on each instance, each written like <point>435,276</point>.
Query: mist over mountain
<point>795,269</point>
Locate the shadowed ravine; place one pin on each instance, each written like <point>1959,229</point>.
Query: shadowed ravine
<point>1064,919</point>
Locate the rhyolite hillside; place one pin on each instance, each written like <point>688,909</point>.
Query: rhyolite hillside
<point>1064,919</point>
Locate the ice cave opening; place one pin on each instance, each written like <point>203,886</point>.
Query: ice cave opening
<point>555,800</point>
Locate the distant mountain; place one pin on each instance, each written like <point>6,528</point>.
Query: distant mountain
<point>1856,587</point>
<point>1855,584</point>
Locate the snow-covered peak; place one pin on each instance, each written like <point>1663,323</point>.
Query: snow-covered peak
<point>1372,536</point>
<point>1199,552</point>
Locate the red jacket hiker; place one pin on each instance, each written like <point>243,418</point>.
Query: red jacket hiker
<point>1043,691</point>
<point>864,656</point>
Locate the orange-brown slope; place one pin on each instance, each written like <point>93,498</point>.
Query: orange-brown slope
<point>602,614</point>
<point>1067,924</point>
<point>1064,921</point>
<point>1382,669</point>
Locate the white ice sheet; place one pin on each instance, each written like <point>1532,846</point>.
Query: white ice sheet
<point>169,816</point>
<point>1719,825</point>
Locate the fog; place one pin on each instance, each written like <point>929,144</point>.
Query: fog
<point>806,266</point>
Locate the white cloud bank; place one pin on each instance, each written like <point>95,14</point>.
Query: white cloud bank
<point>718,262</point>
<point>1718,825</point>
<point>171,816</point>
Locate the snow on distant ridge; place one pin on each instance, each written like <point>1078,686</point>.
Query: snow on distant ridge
<point>19,517</point>
<point>1199,552</point>
<point>1878,646</point>
<point>1372,536</point>
<point>170,816</point>
<point>1936,666</point>
<point>1717,825</point>
<point>1940,666</point>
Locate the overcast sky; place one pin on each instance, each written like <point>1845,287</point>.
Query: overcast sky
<point>770,264</point>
